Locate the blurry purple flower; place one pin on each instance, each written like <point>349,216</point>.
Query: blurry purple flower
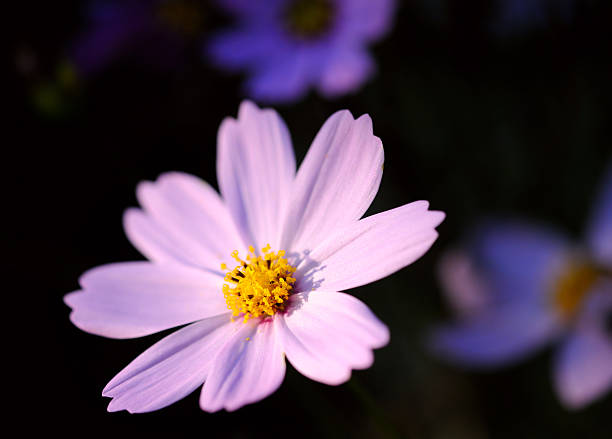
<point>520,16</point>
<point>465,292</point>
<point>290,46</point>
<point>273,304</point>
<point>520,286</point>
<point>154,30</point>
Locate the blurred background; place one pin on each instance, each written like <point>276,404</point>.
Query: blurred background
<point>482,112</point>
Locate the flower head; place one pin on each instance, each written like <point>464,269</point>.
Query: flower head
<point>155,30</point>
<point>256,272</point>
<point>519,286</point>
<point>261,286</point>
<point>290,46</point>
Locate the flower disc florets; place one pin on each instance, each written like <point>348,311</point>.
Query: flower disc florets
<point>572,286</point>
<point>185,17</point>
<point>309,18</point>
<point>261,284</point>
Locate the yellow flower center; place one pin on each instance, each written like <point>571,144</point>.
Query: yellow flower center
<point>259,286</point>
<point>182,16</point>
<point>309,18</point>
<point>572,286</point>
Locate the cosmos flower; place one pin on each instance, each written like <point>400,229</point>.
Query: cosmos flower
<point>256,272</point>
<point>290,46</point>
<point>515,17</point>
<point>155,31</point>
<point>520,286</point>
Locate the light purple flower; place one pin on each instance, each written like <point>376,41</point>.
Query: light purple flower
<point>290,46</point>
<point>155,31</point>
<point>520,286</point>
<point>519,16</point>
<point>188,232</point>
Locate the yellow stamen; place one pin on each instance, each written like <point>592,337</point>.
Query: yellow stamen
<point>259,286</point>
<point>572,286</point>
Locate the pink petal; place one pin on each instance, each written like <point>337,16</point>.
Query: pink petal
<point>520,257</point>
<point>242,47</point>
<point>133,299</point>
<point>599,230</point>
<point>365,20</point>
<point>248,368</point>
<point>249,10</point>
<point>500,336</point>
<point>336,182</point>
<point>255,168</point>
<point>467,292</point>
<point>285,76</point>
<point>326,334</point>
<point>184,220</point>
<point>345,71</point>
<point>170,369</point>
<point>370,249</point>
<point>583,370</point>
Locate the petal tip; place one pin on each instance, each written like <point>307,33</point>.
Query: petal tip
<point>129,216</point>
<point>247,106</point>
<point>367,120</point>
<point>437,217</point>
<point>207,406</point>
<point>341,379</point>
<point>385,337</point>
<point>170,177</point>
<point>113,406</point>
<point>69,298</point>
<point>342,114</point>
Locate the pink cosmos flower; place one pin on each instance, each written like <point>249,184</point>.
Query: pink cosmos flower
<point>306,243</point>
<point>517,287</point>
<point>288,47</point>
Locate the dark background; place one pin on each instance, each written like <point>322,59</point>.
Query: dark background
<point>477,123</point>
